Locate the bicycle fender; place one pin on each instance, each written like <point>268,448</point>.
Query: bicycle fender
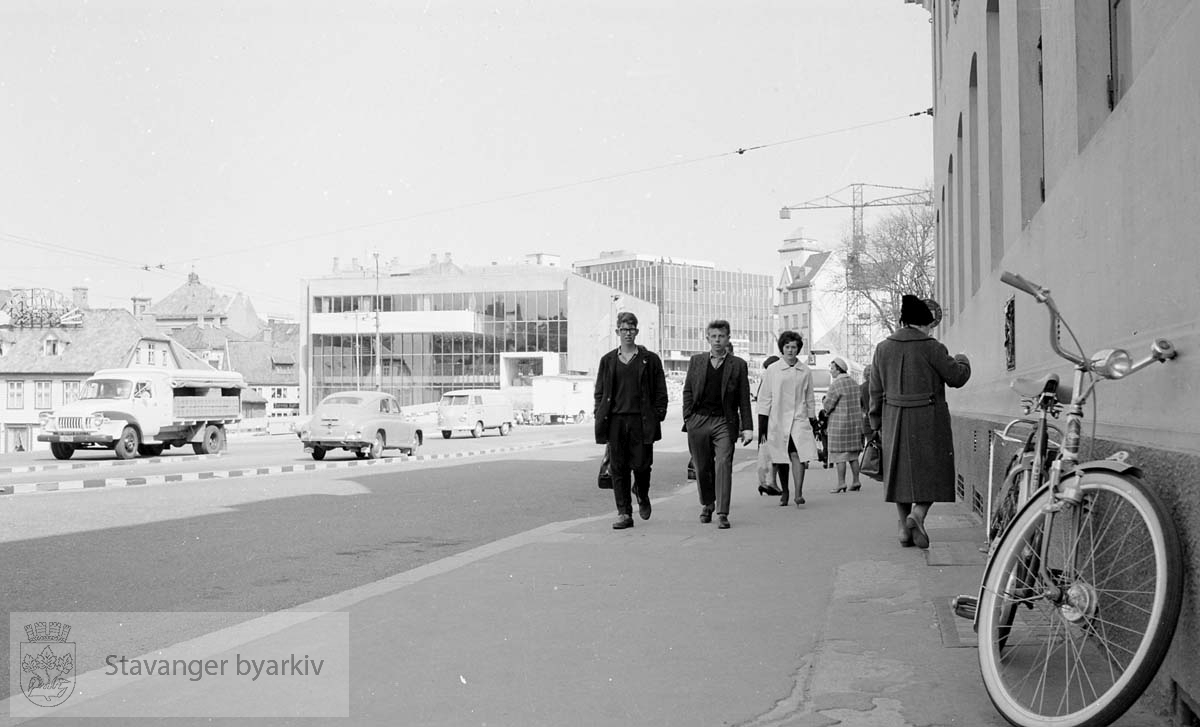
<point>1115,466</point>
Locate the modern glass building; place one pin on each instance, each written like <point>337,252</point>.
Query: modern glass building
<point>689,294</point>
<point>419,333</point>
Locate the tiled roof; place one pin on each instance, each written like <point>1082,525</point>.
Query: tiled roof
<point>802,276</point>
<point>191,299</point>
<point>106,339</point>
<point>206,337</point>
<point>258,362</point>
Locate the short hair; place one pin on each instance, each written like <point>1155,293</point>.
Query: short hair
<point>718,324</point>
<point>789,337</point>
<point>770,360</point>
<point>626,317</point>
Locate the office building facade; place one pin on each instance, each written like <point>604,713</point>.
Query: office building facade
<point>689,294</point>
<point>419,333</point>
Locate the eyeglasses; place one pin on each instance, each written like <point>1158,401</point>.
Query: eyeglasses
<point>627,330</point>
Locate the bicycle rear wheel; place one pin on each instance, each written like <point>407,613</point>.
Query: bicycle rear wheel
<point>1101,609</point>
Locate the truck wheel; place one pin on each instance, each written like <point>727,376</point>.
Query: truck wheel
<point>62,451</point>
<point>318,453</point>
<point>505,428</point>
<point>150,450</point>
<point>446,433</point>
<point>477,430</point>
<point>213,441</point>
<point>377,446</point>
<point>129,443</point>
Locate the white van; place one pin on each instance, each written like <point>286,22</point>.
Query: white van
<point>474,410</point>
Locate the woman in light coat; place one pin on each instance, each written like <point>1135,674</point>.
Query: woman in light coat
<point>787,411</point>
<point>909,377</point>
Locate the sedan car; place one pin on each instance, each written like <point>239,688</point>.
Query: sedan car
<point>363,422</point>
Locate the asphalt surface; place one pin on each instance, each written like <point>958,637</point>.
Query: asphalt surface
<point>794,616</point>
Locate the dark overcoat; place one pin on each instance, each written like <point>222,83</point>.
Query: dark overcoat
<point>652,383</point>
<point>909,376</point>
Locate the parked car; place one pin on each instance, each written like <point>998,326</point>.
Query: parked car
<point>363,422</point>
<point>474,410</point>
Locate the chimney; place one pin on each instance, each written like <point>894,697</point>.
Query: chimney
<point>335,265</point>
<point>140,306</point>
<point>447,257</point>
<point>266,334</point>
<point>79,298</point>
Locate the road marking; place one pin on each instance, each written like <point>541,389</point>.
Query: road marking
<point>30,487</point>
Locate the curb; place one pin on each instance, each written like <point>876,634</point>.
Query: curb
<point>31,487</point>
<point>83,464</point>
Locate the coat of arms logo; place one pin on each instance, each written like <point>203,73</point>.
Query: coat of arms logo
<point>47,663</point>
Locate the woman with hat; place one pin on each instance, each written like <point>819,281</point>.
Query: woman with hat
<point>844,428</point>
<point>909,376</point>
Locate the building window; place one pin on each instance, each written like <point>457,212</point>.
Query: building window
<point>50,346</point>
<point>16,395</point>
<point>1120,51</point>
<point>41,395</point>
<point>70,391</point>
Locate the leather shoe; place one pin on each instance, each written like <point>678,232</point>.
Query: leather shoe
<point>920,538</point>
<point>706,515</point>
<point>622,522</point>
<point>723,522</point>
<point>905,536</point>
<point>644,507</point>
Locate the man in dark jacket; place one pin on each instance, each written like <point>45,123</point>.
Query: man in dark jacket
<point>631,402</point>
<point>716,407</point>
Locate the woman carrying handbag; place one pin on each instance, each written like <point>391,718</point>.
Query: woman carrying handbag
<point>845,425</point>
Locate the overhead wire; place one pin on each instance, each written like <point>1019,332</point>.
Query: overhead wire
<point>167,267</point>
<point>741,151</point>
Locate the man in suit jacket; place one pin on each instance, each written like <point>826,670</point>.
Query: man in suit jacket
<point>631,402</point>
<point>716,407</point>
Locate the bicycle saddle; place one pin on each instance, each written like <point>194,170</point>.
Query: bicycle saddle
<point>1030,387</point>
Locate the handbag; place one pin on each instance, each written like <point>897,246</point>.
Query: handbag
<point>870,460</point>
<point>764,468</point>
<point>604,479</point>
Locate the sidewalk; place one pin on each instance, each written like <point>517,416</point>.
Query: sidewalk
<point>798,617</point>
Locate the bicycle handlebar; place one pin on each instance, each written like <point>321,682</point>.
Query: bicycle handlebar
<point>1022,284</point>
<point>1042,295</point>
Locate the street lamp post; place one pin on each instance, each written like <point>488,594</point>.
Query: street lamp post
<point>378,340</point>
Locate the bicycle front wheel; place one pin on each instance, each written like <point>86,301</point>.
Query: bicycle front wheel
<point>1099,599</point>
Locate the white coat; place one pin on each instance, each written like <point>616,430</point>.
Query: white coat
<point>788,415</point>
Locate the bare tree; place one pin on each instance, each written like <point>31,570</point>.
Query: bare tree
<point>896,257</point>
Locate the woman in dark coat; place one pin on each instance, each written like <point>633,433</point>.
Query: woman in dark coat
<point>908,407</point>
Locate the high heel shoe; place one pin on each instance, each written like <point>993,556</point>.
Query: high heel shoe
<point>783,498</point>
<point>768,491</point>
<point>837,490</point>
<point>856,488</point>
<point>799,500</point>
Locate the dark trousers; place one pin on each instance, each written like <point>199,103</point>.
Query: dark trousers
<point>628,451</point>
<point>711,443</point>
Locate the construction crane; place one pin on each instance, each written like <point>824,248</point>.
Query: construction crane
<point>857,316</point>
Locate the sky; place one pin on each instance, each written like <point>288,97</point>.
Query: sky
<point>252,142</point>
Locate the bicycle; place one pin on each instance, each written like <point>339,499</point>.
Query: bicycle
<point>1084,581</point>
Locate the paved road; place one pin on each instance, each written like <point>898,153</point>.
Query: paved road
<point>247,455</point>
<point>271,542</point>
